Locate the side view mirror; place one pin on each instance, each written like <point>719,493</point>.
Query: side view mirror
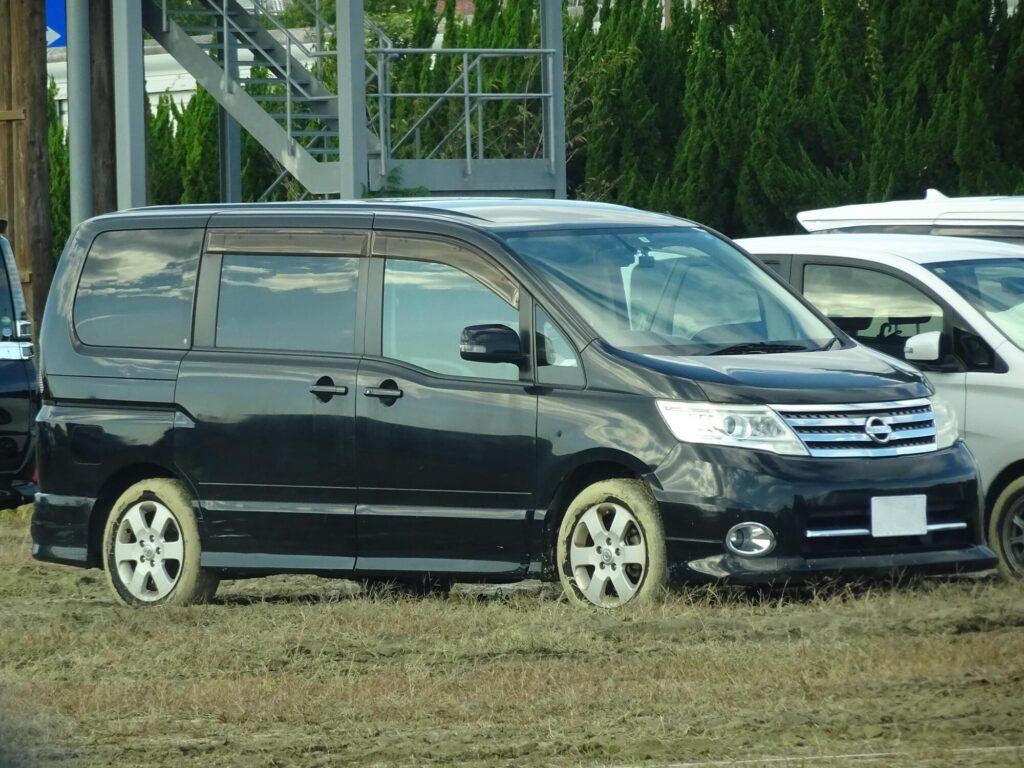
<point>923,348</point>
<point>492,343</point>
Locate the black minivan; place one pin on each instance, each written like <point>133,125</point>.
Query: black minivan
<point>477,390</point>
<point>19,393</point>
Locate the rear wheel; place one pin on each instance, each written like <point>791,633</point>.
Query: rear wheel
<point>151,547</point>
<point>1006,529</point>
<point>611,546</point>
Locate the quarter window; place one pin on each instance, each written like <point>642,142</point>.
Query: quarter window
<point>426,306</point>
<point>294,303</point>
<point>137,289</point>
<point>557,362</point>
<point>877,309</point>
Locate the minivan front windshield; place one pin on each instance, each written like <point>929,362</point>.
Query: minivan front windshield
<point>994,287</point>
<point>671,290</point>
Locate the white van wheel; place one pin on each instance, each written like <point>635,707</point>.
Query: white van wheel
<point>611,546</point>
<point>1006,529</point>
<point>151,547</point>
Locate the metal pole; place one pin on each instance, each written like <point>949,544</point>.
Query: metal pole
<point>354,181</point>
<point>79,111</point>
<point>229,133</point>
<point>466,122</point>
<point>129,104</point>
<point>553,83</point>
<point>480,107</point>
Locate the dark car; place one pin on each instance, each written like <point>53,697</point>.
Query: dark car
<point>472,390</point>
<point>19,393</point>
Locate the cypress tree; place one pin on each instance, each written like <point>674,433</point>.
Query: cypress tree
<point>753,49</point>
<point>162,153</point>
<point>60,173</point>
<point>703,189</point>
<point>198,155</point>
<point>582,50</point>
<point>778,158</point>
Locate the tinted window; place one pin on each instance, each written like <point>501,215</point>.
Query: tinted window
<point>995,287</point>
<point>875,308</point>
<point>557,362</point>
<point>426,306</point>
<point>137,288</point>
<point>296,303</point>
<point>8,314</point>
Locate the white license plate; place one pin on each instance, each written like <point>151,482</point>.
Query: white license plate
<point>899,515</point>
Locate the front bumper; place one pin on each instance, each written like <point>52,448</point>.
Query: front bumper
<point>703,491</point>
<point>796,569</point>
<point>60,529</point>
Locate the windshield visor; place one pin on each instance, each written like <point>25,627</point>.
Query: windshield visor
<point>994,287</point>
<point>672,290</point>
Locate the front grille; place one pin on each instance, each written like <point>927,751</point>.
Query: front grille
<point>863,429</point>
<point>846,529</point>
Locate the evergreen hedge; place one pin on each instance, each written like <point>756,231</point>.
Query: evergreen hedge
<point>737,113</point>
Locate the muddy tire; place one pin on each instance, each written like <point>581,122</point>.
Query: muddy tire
<point>1006,530</point>
<point>610,550</point>
<point>151,547</point>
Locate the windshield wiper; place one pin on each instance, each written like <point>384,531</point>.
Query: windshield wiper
<point>758,348</point>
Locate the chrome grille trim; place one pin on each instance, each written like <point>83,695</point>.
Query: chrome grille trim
<point>835,533</point>
<point>890,405</point>
<point>839,430</point>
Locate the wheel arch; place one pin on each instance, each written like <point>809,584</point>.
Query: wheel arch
<point>1008,474</point>
<point>116,484</point>
<point>573,481</point>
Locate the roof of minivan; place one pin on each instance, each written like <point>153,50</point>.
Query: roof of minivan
<point>934,208</point>
<point>486,212</point>
<point>920,249</point>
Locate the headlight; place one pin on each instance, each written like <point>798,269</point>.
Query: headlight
<point>947,430</point>
<point>741,426</point>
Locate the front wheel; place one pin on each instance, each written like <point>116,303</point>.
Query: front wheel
<point>611,546</point>
<point>1006,529</point>
<point>151,547</point>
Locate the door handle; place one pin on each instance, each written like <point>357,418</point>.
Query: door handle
<point>388,392</point>
<point>324,389</point>
<point>384,393</point>
<point>318,389</point>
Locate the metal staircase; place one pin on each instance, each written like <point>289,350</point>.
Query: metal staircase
<point>281,86</point>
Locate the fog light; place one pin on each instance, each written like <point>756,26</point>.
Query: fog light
<point>750,539</point>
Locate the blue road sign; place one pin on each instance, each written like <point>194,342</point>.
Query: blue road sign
<point>57,24</point>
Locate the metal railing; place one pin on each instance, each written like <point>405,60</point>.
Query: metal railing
<point>469,86</point>
<point>295,92</point>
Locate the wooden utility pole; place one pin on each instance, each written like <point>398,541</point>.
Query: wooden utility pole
<point>24,152</point>
<point>104,156</point>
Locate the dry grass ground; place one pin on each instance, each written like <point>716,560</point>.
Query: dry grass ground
<point>294,671</point>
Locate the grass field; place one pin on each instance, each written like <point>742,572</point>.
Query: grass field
<point>297,671</point>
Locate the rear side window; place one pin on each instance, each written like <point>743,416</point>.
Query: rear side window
<point>137,289</point>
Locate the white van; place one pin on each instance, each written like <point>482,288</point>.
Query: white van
<point>954,307</point>
<point>992,218</point>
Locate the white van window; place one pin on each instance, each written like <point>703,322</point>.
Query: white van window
<point>878,309</point>
<point>995,287</point>
<point>426,306</point>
